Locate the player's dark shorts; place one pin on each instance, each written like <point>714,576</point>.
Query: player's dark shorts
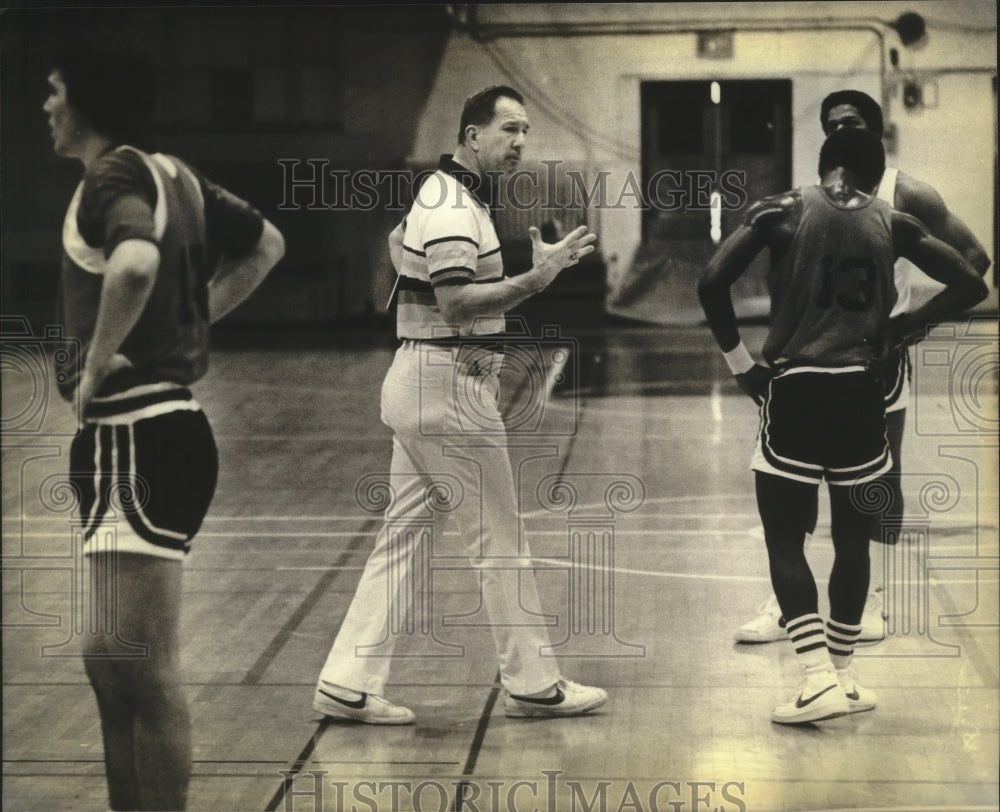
<point>823,423</point>
<point>144,467</point>
<point>898,373</point>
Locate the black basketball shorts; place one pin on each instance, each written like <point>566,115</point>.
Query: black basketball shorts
<point>823,423</point>
<point>144,467</point>
<point>898,373</point>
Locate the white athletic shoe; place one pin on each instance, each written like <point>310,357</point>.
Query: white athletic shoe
<point>767,627</point>
<point>859,698</point>
<point>370,709</point>
<point>819,697</point>
<point>874,617</point>
<point>571,699</point>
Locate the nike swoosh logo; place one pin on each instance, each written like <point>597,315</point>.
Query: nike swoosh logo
<point>357,704</point>
<point>551,700</point>
<point>801,703</point>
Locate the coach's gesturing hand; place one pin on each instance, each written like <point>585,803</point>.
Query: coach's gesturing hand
<point>461,304</point>
<point>550,258</point>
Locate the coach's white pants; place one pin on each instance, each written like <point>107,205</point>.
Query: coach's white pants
<point>442,407</point>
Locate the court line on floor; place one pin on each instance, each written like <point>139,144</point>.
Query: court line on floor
<point>296,767</point>
<point>665,534</point>
<point>979,659</point>
<point>968,564</point>
<point>477,742</point>
<point>281,638</point>
<point>556,563</point>
<point>349,534</point>
<point>479,737</point>
<point>969,523</point>
<point>534,513</point>
<point>278,642</point>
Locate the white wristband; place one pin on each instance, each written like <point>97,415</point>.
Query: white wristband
<point>739,359</point>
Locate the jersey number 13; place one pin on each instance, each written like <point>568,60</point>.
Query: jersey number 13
<point>848,283</point>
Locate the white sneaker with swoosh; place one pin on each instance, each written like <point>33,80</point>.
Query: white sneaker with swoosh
<point>820,697</point>
<point>571,699</point>
<point>873,621</point>
<point>370,709</point>
<point>859,698</point>
<point>766,626</point>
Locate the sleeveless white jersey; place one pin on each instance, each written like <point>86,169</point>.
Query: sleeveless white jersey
<point>903,268</point>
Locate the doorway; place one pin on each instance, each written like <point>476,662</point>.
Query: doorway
<point>709,149</point>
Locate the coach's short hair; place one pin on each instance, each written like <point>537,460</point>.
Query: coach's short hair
<point>479,106</point>
<point>860,151</point>
<point>867,108</point>
<point>110,83</point>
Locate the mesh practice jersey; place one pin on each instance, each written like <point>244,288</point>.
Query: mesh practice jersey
<point>128,194</point>
<point>832,289</point>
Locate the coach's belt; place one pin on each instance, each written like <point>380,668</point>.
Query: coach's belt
<point>474,356</point>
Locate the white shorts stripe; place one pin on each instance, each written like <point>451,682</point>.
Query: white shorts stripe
<point>156,409</point>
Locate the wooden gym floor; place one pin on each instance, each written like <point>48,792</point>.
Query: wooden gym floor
<point>644,581</point>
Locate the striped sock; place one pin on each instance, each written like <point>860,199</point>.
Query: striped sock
<point>809,640</point>
<point>841,639</point>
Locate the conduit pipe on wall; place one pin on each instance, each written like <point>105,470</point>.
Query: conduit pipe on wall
<point>909,26</point>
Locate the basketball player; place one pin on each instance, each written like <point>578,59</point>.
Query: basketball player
<point>152,253</point>
<point>832,249</point>
<point>440,399</point>
<point>853,109</point>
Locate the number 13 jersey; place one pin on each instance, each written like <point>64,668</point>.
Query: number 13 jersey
<point>832,288</point>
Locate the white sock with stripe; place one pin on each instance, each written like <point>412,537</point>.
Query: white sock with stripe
<point>841,639</point>
<point>809,639</point>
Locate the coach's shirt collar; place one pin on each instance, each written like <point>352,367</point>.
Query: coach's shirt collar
<point>483,187</point>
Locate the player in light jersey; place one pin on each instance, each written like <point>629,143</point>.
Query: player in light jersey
<point>152,253</point>
<point>853,109</point>
<point>832,251</point>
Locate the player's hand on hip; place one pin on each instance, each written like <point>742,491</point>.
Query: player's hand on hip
<point>902,333</point>
<point>91,378</point>
<point>754,382</point>
<point>550,258</point>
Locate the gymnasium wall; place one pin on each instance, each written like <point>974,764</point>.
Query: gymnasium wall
<point>239,89</point>
<point>581,68</point>
<point>381,88</point>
